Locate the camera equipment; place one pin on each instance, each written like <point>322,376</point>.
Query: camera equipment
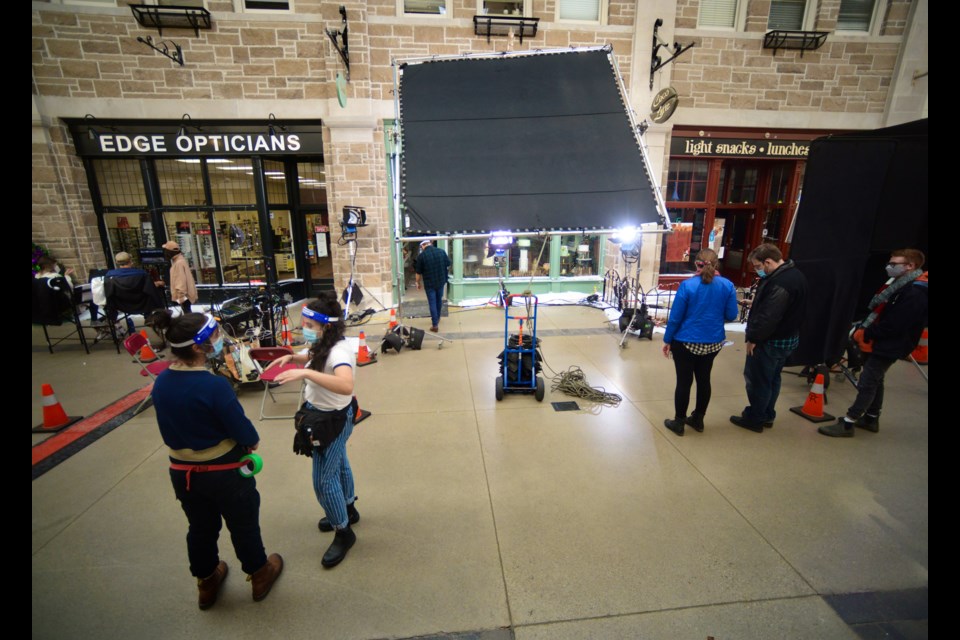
<point>353,217</point>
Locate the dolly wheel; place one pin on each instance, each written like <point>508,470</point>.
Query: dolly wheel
<point>540,390</point>
<point>499,388</point>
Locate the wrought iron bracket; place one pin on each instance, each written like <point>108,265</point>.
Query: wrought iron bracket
<point>655,61</point>
<point>176,55</point>
<point>340,36</point>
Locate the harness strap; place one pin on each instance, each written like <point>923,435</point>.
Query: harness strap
<point>201,468</point>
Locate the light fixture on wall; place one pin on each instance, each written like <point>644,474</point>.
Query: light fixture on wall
<point>186,121</point>
<point>273,125</point>
<point>92,122</point>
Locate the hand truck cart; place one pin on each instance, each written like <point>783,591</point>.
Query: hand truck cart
<point>519,363</point>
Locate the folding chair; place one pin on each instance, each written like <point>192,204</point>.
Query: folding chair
<point>53,305</point>
<point>134,343</point>
<point>261,357</point>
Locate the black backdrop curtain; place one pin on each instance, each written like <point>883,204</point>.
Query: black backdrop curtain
<point>864,195</point>
<point>541,141</point>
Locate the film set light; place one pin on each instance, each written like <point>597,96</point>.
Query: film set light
<point>629,240</point>
<point>353,217</point>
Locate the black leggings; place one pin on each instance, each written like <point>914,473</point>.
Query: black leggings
<point>689,366</point>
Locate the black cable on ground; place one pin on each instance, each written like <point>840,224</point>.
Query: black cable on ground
<point>573,382</point>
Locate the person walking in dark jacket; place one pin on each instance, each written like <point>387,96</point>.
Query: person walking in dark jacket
<point>694,336</point>
<point>772,333</point>
<point>432,266</point>
<point>898,316</point>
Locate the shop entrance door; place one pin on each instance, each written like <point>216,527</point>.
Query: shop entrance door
<point>736,224</point>
<point>317,252</point>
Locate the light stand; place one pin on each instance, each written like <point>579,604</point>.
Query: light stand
<point>353,217</point>
<point>500,240</point>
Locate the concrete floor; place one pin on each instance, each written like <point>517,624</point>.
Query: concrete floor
<point>487,519</point>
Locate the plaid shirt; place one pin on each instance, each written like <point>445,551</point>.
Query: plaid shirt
<point>785,343</point>
<point>432,265</point>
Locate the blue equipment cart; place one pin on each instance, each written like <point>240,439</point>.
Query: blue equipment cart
<point>519,363</point>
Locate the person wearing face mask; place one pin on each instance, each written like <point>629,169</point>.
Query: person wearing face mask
<point>695,335</point>
<point>328,374</point>
<point>898,315</point>
<point>772,333</point>
<point>207,432</point>
<point>183,288</point>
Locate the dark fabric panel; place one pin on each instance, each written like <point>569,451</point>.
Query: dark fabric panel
<point>864,195</point>
<point>541,141</point>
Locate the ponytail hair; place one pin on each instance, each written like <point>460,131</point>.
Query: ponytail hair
<point>711,262</point>
<point>328,305</point>
<point>180,329</point>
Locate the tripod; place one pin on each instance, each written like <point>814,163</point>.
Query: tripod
<point>500,297</point>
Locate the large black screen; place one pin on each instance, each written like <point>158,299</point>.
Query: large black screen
<point>541,141</point>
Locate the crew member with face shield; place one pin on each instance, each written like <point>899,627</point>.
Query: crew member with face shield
<point>207,432</point>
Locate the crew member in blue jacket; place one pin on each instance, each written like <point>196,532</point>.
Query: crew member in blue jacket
<point>695,336</point>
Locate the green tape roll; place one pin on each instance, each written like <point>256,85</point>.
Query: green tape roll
<point>253,468</point>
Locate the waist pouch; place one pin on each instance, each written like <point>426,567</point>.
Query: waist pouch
<point>316,428</point>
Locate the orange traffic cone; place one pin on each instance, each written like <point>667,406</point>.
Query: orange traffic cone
<point>361,414</point>
<point>812,409</point>
<point>920,353</point>
<point>393,319</point>
<point>285,332</point>
<point>146,353</point>
<point>363,354</point>
<point>54,417</point>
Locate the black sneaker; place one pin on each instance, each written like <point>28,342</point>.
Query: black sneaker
<point>674,425</point>
<point>740,421</point>
<point>870,423</point>
<point>840,429</point>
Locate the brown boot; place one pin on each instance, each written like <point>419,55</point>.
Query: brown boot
<point>210,586</point>
<point>265,576</point>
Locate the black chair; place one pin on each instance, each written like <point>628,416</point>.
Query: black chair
<point>54,305</point>
<point>128,295</point>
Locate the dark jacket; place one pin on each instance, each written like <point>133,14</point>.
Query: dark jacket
<point>132,293</point>
<point>901,323</point>
<point>779,305</point>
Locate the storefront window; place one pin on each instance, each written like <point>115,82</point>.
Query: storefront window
<point>579,255</point>
<point>191,230</point>
<point>476,262</point>
<point>739,183</point>
<point>241,248</point>
<point>680,248</point>
<point>120,183</point>
<point>687,180</point>
<point>181,182</point>
<point>313,183</point>
<point>231,180</point>
<point>276,182</point>
<point>129,232</point>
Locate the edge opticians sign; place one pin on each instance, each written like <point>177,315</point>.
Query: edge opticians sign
<point>211,141</point>
<point>727,147</point>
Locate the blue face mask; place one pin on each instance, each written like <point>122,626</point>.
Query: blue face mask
<point>309,335</point>
<point>217,349</point>
<point>761,273</point>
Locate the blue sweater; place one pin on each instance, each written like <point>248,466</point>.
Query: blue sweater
<point>700,310</point>
<point>197,410</point>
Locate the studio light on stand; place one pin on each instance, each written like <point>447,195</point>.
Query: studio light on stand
<point>500,241</point>
<point>353,217</point>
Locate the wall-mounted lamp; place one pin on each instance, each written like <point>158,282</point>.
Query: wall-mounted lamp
<point>92,122</point>
<point>273,125</point>
<point>185,121</point>
<point>175,54</point>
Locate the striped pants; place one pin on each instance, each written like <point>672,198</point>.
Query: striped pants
<point>333,477</point>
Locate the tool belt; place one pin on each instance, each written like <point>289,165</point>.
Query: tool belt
<point>316,428</point>
<point>249,465</point>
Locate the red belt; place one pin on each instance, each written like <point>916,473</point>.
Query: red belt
<point>200,468</point>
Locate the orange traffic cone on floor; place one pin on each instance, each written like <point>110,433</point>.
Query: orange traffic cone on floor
<point>361,414</point>
<point>54,417</point>
<point>393,319</point>
<point>920,353</point>
<point>812,409</point>
<point>363,354</point>
<point>146,353</point>
<point>285,337</point>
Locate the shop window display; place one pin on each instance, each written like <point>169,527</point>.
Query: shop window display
<point>579,255</point>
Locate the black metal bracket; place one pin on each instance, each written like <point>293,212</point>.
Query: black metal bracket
<point>343,49</point>
<point>803,40</point>
<point>171,17</point>
<point>502,25</point>
<point>164,48</point>
<point>655,62</point>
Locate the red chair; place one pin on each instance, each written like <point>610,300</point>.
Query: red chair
<point>261,357</point>
<point>134,343</point>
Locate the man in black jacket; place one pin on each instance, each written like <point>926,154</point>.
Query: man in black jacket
<point>898,316</point>
<point>772,334</point>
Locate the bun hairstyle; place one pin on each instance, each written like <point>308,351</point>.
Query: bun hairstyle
<point>328,305</point>
<point>180,329</point>
<point>710,263</point>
